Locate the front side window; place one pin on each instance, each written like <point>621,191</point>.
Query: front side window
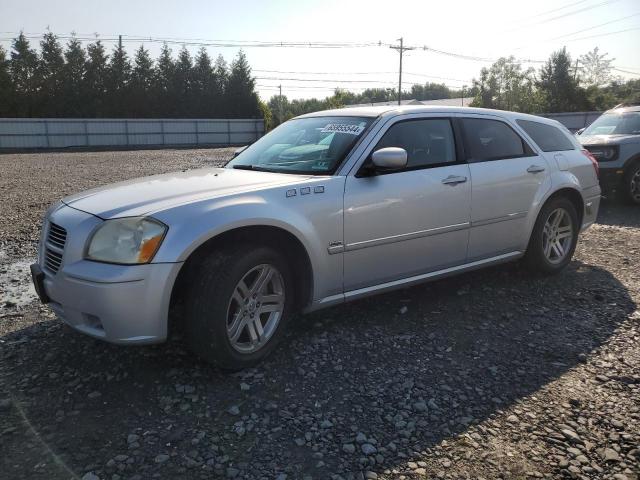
<point>314,145</point>
<point>547,137</point>
<point>428,142</point>
<point>615,124</point>
<point>492,140</point>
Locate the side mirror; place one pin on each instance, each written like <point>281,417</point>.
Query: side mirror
<point>238,151</point>
<point>390,158</point>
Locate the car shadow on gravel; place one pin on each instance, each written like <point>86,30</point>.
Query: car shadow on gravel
<point>617,213</point>
<point>368,386</point>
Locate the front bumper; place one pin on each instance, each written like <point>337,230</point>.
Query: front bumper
<point>124,304</point>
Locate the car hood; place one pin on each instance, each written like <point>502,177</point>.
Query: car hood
<point>608,139</point>
<point>146,195</point>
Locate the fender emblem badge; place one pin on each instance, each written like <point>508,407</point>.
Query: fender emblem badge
<point>305,190</point>
<point>318,189</point>
<point>291,193</point>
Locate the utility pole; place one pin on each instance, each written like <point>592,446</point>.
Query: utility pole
<point>462,98</point>
<point>401,49</point>
<point>280,102</point>
<point>575,70</point>
<point>120,42</point>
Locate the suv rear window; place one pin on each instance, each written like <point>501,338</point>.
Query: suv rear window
<point>492,140</point>
<point>547,137</point>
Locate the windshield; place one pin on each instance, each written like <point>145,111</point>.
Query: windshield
<point>314,145</point>
<point>615,124</point>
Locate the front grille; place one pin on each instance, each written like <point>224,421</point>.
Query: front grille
<point>56,239</point>
<point>52,260</point>
<point>57,236</point>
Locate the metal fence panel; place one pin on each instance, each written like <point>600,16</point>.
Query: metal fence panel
<point>573,120</point>
<point>101,132</point>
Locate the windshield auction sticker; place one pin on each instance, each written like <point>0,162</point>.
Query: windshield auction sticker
<point>343,128</point>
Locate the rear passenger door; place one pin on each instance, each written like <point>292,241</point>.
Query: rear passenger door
<point>508,179</point>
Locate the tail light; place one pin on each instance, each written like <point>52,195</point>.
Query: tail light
<point>594,162</point>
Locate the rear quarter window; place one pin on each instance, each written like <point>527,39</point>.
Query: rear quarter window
<point>547,137</point>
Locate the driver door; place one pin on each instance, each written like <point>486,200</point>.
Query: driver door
<point>407,222</point>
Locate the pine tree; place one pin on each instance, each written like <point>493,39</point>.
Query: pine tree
<point>164,91</point>
<point>95,79</point>
<point>183,84</point>
<point>73,78</point>
<point>220,80</point>
<point>203,85</point>
<point>50,74</point>
<point>24,74</point>
<point>142,101</point>
<point>242,100</point>
<point>6,86</point>
<point>117,82</point>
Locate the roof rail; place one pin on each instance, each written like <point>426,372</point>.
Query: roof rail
<point>627,104</point>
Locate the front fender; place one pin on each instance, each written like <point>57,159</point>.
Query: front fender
<point>315,220</point>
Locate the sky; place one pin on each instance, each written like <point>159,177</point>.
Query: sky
<point>478,31</point>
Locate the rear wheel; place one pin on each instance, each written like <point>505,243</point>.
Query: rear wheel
<point>238,305</point>
<point>554,237</point>
<point>632,184</point>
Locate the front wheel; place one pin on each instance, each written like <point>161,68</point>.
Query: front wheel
<point>238,305</point>
<point>632,184</point>
<point>554,237</point>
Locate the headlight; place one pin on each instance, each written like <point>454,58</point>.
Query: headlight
<point>604,154</point>
<point>126,240</point>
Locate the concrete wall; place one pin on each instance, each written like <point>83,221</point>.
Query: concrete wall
<point>17,133</point>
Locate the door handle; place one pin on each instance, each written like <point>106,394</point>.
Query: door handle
<point>535,169</point>
<point>454,180</point>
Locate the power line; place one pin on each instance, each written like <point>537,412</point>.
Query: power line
<point>336,85</point>
<point>602,34</point>
<point>595,26</point>
<point>564,15</point>
<point>211,43</point>
<point>359,73</point>
<point>322,80</point>
<point>625,71</point>
<point>542,14</point>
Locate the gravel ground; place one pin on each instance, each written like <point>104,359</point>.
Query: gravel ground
<point>492,374</point>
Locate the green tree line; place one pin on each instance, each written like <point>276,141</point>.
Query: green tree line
<point>560,85</point>
<point>74,81</point>
<point>71,81</point>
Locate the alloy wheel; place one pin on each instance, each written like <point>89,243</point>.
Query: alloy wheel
<point>255,308</point>
<point>557,236</point>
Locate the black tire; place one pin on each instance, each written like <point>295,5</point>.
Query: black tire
<point>211,286</point>
<point>631,184</point>
<point>535,257</point>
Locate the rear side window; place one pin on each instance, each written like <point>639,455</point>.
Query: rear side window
<point>492,140</point>
<point>547,137</point>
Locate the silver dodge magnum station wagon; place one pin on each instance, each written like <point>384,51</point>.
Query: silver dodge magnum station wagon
<point>328,207</point>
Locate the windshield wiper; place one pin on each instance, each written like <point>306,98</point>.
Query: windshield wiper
<point>255,168</point>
